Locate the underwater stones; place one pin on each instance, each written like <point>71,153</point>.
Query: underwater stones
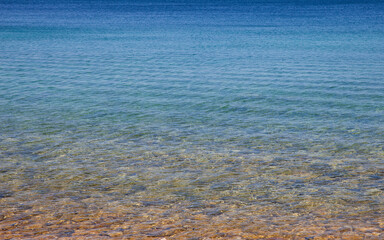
<point>8,225</point>
<point>320,167</point>
<point>81,232</point>
<point>65,233</point>
<point>336,173</point>
<point>34,226</point>
<point>369,229</point>
<point>149,215</point>
<point>80,219</point>
<point>135,189</point>
<point>5,193</point>
<point>115,234</point>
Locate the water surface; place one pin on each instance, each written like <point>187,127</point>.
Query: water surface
<point>185,119</point>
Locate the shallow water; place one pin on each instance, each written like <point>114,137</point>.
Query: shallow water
<point>190,120</point>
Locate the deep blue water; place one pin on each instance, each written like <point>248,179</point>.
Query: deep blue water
<point>267,103</point>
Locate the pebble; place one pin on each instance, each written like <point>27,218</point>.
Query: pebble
<point>368,229</point>
<point>249,236</point>
<point>80,232</point>
<point>350,236</point>
<point>115,234</point>
<point>5,226</point>
<point>345,229</point>
<point>80,219</point>
<point>35,226</point>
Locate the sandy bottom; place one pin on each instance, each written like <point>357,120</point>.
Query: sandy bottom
<point>69,218</point>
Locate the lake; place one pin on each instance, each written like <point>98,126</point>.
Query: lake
<point>192,119</point>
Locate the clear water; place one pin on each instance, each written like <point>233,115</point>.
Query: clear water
<point>189,119</point>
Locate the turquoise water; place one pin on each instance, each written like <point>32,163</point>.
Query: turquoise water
<point>184,119</point>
